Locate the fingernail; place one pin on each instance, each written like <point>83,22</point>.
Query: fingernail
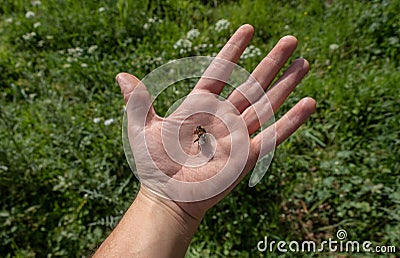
<point>125,81</point>
<point>121,78</point>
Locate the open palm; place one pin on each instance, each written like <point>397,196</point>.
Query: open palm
<point>197,174</point>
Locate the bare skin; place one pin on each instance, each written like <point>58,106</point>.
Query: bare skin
<point>157,227</point>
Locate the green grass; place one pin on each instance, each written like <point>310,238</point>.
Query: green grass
<point>64,180</point>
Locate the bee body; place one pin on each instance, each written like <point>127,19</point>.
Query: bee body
<point>201,134</point>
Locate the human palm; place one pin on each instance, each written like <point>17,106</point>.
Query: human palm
<point>197,174</point>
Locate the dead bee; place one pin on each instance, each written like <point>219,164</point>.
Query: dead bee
<point>201,134</point>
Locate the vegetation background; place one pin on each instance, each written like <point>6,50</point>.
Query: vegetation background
<point>64,180</point>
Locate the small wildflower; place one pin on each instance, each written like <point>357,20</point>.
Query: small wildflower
<point>84,65</point>
<point>128,41</point>
<point>192,34</point>
<point>9,20</point>
<point>101,9</point>
<point>76,52</point>
<point>146,26</point>
<point>38,74</point>
<point>96,120</point>
<point>152,20</point>
<point>29,36</point>
<point>36,24</point>
<point>287,27</point>
<point>49,37</point>
<point>183,44</point>
<point>36,3</point>
<point>250,52</point>
<point>108,121</point>
<point>393,41</point>
<point>222,25</point>
<point>92,49</point>
<point>29,14</point>
<point>327,62</point>
<point>66,65</point>
<point>40,43</point>
<point>333,47</point>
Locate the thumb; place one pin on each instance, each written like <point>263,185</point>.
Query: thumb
<point>127,83</point>
<point>137,99</point>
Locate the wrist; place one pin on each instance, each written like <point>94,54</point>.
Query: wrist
<point>151,227</point>
<point>167,209</point>
<point>169,229</point>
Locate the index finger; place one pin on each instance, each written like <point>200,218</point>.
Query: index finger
<point>218,72</point>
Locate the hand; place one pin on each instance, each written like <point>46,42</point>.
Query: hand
<point>173,167</point>
<point>155,140</point>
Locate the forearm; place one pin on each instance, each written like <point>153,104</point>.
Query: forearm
<point>150,228</point>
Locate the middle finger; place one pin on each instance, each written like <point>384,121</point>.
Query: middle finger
<point>263,74</point>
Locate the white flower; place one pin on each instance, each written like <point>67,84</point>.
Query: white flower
<point>146,26</point>
<point>393,40</point>
<point>108,121</point>
<point>70,59</point>
<point>75,51</point>
<point>101,9</point>
<point>29,36</point>
<point>183,44</point>
<point>92,48</point>
<point>36,24</point>
<point>36,3</point>
<point>29,14</point>
<point>9,20</point>
<point>96,120</point>
<point>84,65</point>
<point>222,25</point>
<point>250,52</point>
<point>49,37</point>
<point>71,51</point>
<point>333,47</point>
<point>192,34</point>
<point>66,65</point>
